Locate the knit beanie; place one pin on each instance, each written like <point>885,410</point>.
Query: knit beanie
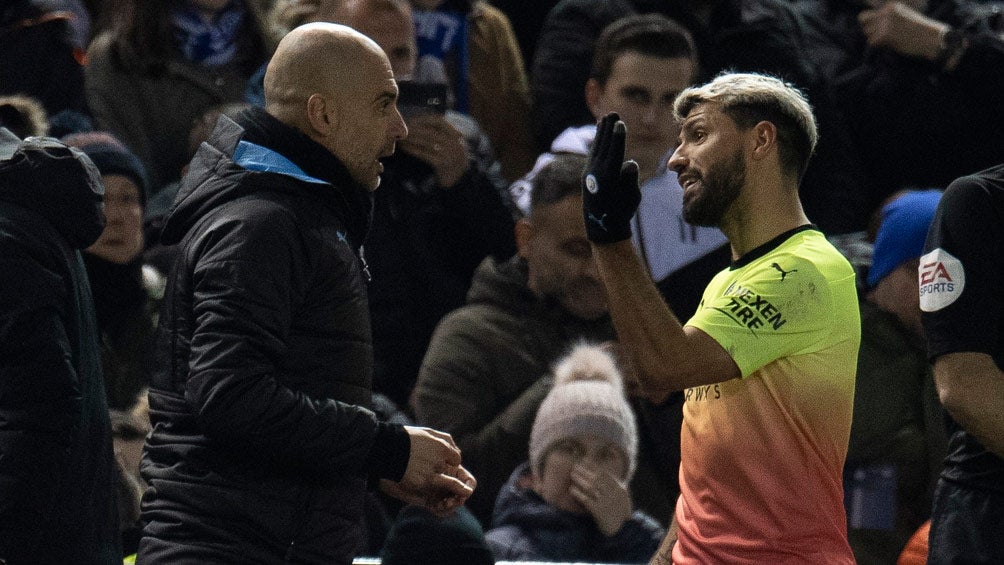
<point>111,158</point>
<point>902,233</point>
<point>587,398</point>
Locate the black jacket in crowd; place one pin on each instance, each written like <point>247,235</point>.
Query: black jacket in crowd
<point>423,247</point>
<point>57,470</point>
<point>262,445</point>
<point>916,124</point>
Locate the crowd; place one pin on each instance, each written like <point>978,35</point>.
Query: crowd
<point>457,281</point>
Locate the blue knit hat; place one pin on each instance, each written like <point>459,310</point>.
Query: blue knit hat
<point>902,232</point>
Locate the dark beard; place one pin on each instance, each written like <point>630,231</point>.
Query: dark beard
<point>720,188</point>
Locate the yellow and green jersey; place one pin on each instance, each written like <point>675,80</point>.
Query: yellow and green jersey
<point>763,455</point>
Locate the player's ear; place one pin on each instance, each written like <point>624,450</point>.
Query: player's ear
<point>764,139</point>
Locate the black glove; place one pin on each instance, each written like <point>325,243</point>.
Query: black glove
<point>610,193</point>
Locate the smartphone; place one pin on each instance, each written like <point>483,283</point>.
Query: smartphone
<point>421,97</point>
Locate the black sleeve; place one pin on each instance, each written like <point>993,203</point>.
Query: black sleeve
<point>980,72</point>
<point>477,205</point>
<point>960,273</point>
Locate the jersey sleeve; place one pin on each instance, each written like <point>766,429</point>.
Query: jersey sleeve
<point>960,304</point>
<point>771,310</point>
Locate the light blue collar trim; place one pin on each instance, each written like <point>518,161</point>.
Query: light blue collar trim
<point>255,157</point>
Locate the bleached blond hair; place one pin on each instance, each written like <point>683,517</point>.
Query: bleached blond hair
<point>750,98</point>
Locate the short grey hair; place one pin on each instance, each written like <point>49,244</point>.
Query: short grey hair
<point>749,98</point>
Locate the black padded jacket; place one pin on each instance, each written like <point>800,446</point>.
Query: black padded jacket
<point>262,443</point>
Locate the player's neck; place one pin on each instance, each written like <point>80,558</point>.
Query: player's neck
<point>759,215</point>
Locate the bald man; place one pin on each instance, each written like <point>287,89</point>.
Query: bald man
<point>262,444</point>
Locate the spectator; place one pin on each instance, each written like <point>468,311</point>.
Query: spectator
<point>963,317</point>
<point>471,44</point>
<point>641,63</point>
<point>486,371</point>
<point>38,58</point>
<point>918,80</point>
<point>440,210</point>
<point>776,332</point>
<point>160,65</point>
<point>571,501</point>
<point>115,270</point>
<point>57,471</point>
<point>259,411</point>
<point>897,437</point>
<point>763,36</point>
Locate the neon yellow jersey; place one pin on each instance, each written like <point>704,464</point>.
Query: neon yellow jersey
<point>763,456</point>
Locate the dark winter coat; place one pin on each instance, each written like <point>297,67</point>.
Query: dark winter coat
<point>57,470</point>
<point>261,444</point>
<point>423,247</point>
<point>916,124</point>
<point>526,528</point>
<point>38,58</point>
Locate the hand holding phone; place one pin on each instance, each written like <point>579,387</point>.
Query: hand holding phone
<point>418,98</point>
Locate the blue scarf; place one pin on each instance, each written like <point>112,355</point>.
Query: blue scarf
<point>211,42</point>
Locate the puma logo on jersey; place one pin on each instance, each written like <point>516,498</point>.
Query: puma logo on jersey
<point>782,271</point>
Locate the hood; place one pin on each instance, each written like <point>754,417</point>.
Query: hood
<point>59,183</point>
<point>256,153</point>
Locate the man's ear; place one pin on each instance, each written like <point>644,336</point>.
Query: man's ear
<point>594,94</point>
<point>321,115</point>
<point>764,139</point>
<point>524,233</point>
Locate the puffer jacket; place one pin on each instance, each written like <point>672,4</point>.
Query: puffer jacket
<point>262,443</point>
<point>57,469</point>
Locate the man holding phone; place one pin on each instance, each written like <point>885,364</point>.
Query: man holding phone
<point>439,211</point>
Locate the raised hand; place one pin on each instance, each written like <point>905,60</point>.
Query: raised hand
<point>610,194</point>
<point>605,497</point>
<point>436,142</point>
<point>898,27</point>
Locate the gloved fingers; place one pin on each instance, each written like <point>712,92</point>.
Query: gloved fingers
<point>628,175</point>
<point>617,136</point>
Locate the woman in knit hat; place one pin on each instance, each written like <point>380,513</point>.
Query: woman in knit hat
<point>570,502</point>
<point>115,269</point>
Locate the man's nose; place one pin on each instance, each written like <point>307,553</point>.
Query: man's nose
<point>677,161</point>
<point>588,268</point>
<point>399,129</point>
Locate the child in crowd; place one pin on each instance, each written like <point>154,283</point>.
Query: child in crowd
<point>571,501</point>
